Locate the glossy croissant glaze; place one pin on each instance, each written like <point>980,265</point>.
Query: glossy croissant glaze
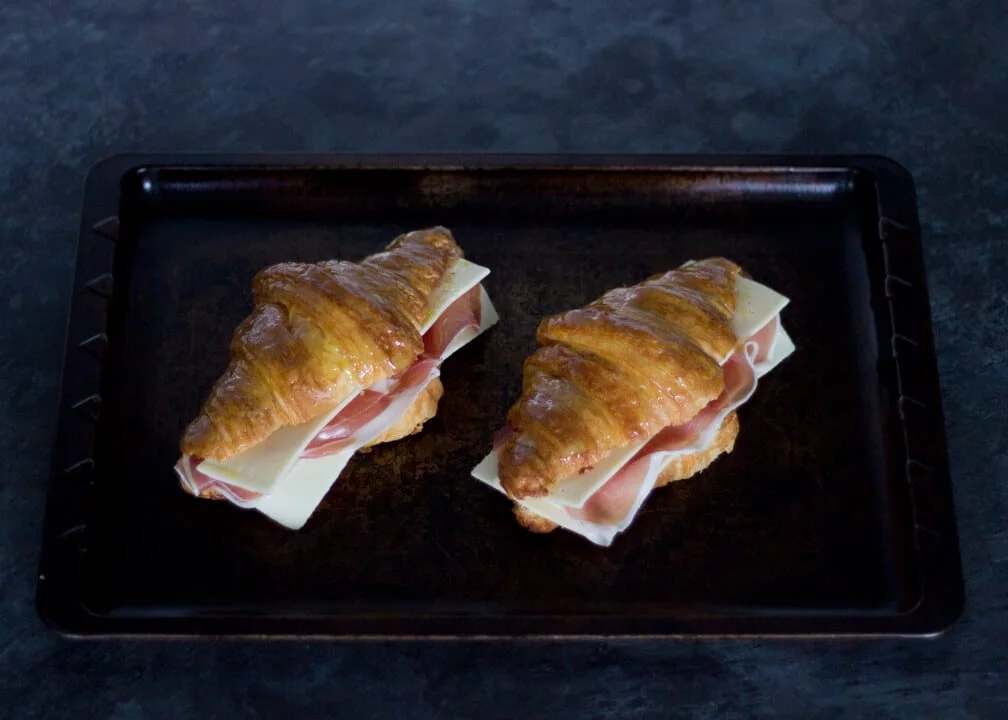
<point>318,332</point>
<point>618,370</point>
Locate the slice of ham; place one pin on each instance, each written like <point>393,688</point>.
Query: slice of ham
<point>765,339</point>
<point>462,315</point>
<point>616,502</point>
<point>364,408</point>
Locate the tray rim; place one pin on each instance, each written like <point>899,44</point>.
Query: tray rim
<point>936,547</point>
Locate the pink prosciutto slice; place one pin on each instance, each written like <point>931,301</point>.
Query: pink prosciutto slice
<point>364,408</point>
<point>199,483</point>
<point>370,403</point>
<point>617,501</point>
<point>463,314</point>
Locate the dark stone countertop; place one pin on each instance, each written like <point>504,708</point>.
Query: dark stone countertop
<point>925,83</point>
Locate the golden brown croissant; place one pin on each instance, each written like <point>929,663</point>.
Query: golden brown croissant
<point>317,333</point>
<point>615,372</point>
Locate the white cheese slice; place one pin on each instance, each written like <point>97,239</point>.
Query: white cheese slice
<point>756,306</point>
<point>780,349</point>
<point>488,318</point>
<point>461,277</point>
<point>575,490</point>
<point>258,468</point>
<point>299,493</point>
<point>487,473</point>
<point>294,498</point>
<point>599,534</point>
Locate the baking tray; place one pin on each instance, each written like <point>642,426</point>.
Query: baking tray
<point>833,516</point>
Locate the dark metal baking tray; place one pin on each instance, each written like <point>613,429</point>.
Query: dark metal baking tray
<point>833,516</point>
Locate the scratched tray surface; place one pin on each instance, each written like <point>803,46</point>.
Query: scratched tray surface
<point>812,525</point>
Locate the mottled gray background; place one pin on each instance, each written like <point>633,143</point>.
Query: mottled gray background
<point>923,82</point>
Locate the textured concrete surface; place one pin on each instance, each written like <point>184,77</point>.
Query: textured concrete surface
<point>923,82</point>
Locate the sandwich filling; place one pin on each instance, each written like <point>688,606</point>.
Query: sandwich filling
<point>603,501</point>
<point>287,475</point>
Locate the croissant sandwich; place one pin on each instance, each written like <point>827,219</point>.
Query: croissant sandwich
<point>636,390</point>
<point>335,357</point>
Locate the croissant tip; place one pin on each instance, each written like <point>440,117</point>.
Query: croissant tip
<point>433,231</point>
<point>199,439</point>
<point>524,487</point>
<point>191,436</point>
<point>532,522</point>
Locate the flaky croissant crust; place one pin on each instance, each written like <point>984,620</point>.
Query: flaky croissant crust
<point>317,332</point>
<point>617,371</point>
